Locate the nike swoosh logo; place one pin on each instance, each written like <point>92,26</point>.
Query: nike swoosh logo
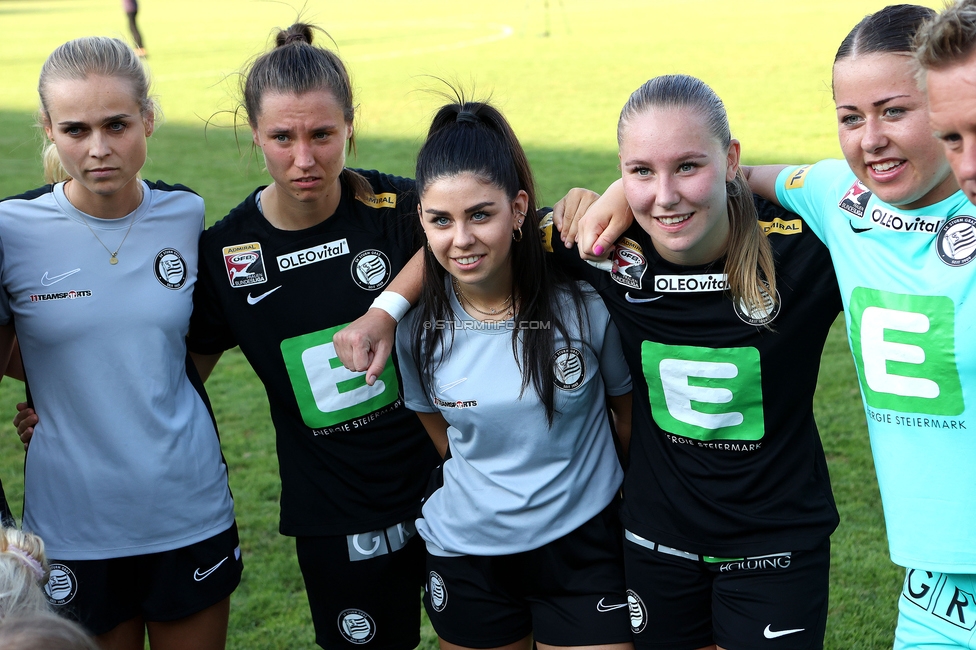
<point>443,388</point>
<point>640,300</point>
<point>47,280</point>
<point>600,607</point>
<point>199,575</point>
<point>769,634</point>
<point>858,230</point>
<point>253,300</point>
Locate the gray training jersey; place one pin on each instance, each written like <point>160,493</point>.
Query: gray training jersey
<point>514,484</point>
<point>125,460</point>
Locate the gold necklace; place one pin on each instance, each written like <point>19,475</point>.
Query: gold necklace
<point>492,311</point>
<point>114,256</point>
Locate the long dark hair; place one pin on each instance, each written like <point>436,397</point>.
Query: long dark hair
<point>475,138</point>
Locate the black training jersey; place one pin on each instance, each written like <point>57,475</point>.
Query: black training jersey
<point>352,458</point>
<point>725,457</point>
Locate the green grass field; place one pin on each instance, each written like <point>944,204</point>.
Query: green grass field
<point>561,70</point>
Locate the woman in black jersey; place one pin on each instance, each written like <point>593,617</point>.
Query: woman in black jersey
<point>727,502</point>
<point>727,505</point>
<point>279,276</point>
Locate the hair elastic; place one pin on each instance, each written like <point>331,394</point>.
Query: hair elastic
<point>28,560</point>
<point>467,116</point>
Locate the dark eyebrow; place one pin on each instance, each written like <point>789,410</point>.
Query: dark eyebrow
<point>107,120</point>
<point>474,208</point>
<point>880,102</point>
<point>330,127</point>
<point>688,155</point>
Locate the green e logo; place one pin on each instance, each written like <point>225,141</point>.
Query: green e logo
<point>326,392</point>
<point>904,348</point>
<point>705,393</point>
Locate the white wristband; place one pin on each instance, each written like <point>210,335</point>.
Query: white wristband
<point>393,304</point>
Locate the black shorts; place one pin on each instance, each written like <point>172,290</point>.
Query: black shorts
<point>364,588</point>
<point>164,586</point>
<point>681,601</point>
<point>569,592</point>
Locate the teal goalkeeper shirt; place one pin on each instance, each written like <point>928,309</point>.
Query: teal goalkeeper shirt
<point>908,282</point>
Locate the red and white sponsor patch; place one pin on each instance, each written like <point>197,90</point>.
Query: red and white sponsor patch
<point>244,264</point>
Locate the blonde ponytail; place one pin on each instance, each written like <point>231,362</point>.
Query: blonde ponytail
<point>53,170</point>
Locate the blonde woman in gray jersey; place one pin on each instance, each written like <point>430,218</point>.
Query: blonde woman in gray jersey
<point>124,479</point>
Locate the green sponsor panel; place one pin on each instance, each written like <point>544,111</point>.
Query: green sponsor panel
<point>905,352</point>
<point>326,392</point>
<point>705,393</point>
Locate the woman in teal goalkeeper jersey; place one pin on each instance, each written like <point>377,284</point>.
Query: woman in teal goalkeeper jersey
<point>903,240</point>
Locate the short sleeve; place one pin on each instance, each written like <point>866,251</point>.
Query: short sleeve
<point>209,330</point>
<point>805,190</point>
<point>613,365</point>
<point>6,315</point>
<point>413,393</point>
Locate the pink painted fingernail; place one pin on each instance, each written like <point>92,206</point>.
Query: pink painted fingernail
<point>598,249</point>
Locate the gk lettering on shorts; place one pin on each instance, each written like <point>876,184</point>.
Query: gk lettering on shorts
<point>705,393</point>
<point>326,392</point>
<point>366,546</point>
<point>244,264</point>
<point>319,253</point>
<point>937,594</point>
<point>904,348</point>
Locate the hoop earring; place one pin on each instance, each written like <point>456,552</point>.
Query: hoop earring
<point>519,231</point>
<point>428,246</point>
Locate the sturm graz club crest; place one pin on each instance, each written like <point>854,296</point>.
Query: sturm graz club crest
<point>437,591</point>
<point>371,269</point>
<point>170,268</point>
<point>956,243</point>
<point>356,626</point>
<point>61,586</point>
<point>569,368</point>
<point>638,613</point>
<point>760,315</point>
